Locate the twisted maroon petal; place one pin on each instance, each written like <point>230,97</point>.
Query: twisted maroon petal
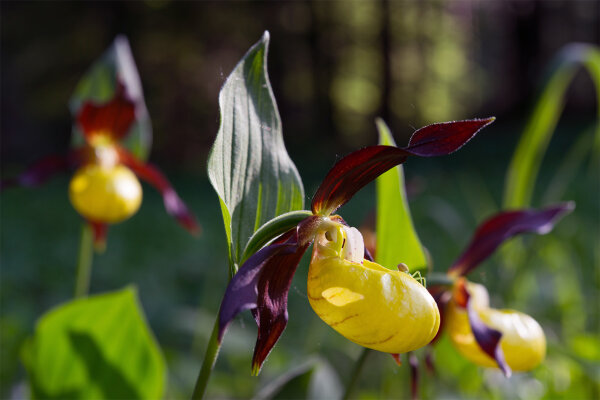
<point>262,285</point>
<point>487,338</point>
<point>173,203</point>
<point>445,137</point>
<point>503,226</point>
<point>112,119</point>
<point>357,169</point>
<point>42,170</point>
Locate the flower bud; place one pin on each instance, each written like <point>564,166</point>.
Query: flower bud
<point>523,341</point>
<point>373,306</point>
<point>105,194</point>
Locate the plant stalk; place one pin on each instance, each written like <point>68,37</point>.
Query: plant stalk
<point>358,366</point>
<point>84,261</point>
<point>210,357</point>
<point>434,279</point>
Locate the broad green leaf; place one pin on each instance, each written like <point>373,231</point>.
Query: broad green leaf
<point>98,85</point>
<point>248,165</point>
<point>397,240</point>
<point>525,165</point>
<point>95,348</point>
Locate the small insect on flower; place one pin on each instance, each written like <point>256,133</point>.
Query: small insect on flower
<point>372,306</point>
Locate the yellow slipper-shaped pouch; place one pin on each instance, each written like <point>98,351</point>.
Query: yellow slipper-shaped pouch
<point>373,306</point>
<point>523,341</point>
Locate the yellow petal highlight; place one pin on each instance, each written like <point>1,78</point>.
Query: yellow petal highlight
<point>339,296</point>
<point>373,306</point>
<point>523,341</point>
<point>102,194</point>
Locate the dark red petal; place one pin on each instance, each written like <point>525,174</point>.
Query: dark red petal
<point>487,338</point>
<point>351,173</point>
<point>112,119</point>
<point>442,296</point>
<point>242,292</point>
<point>445,137</point>
<point>42,170</point>
<point>397,359</point>
<point>503,226</point>
<point>100,231</point>
<point>357,169</point>
<point>429,361</point>
<point>262,285</point>
<point>413,361</point>
<point>173,203</point>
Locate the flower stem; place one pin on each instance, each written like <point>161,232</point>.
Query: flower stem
<point>84,261</point>
<point>210,357</point>
<point>356,373</point>
<point>439,279</point>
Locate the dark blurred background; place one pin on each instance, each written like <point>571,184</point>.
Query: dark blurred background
<point>334,67</point>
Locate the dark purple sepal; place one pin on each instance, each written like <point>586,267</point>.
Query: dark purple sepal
<point>262,285</point>
<point>503,226</point>
<point>487,338</point>
<point>100,232</point>
<point>173,203</point>
<point>442,296</point>
<point>445,137</point>
<point>44,169</point>
<point>413,361</point>
<point>361,167</point>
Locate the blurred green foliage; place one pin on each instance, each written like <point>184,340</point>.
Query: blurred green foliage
<point>97,347</point>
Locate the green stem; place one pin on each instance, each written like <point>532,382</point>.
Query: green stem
<point>84,261</point>
<point>210,357</point>
<point>439,279</point>
<point>358,366</point>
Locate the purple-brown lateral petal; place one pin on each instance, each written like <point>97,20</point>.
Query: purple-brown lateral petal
<point>112,119</point>
<point>173,203</point>
<point>42,170</point>
<point>352,173</point>
<point>413,361</point>
<point>262,285</point>
<point>487,338</point>
<point>357,169</point>
<point>100,231</point>
<point>503,226</point>
<point>445,137</point>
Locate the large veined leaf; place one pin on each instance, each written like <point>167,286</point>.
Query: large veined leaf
<point>397,240</point>
<point>248,165</point>
<point>98,85</point>
<point>95,348</point>
<point>525,165</point>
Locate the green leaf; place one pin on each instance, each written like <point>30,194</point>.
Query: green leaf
<point>397,240</point>
<point>95,348</point>
<point>98,85</point>
<point>248,165</point>
<point>525,165</point>
<point>272,229</point>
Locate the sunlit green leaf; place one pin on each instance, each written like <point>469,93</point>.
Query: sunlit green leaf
<point>397,240</point>
<point>248,165</point>
<point>528,156</point>
<point>95,348</point>
<point>98,85</point>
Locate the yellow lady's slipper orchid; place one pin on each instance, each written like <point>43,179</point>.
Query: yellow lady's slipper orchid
<point>105,194</point>
<point>523,341</point>
<point>375,307</point>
